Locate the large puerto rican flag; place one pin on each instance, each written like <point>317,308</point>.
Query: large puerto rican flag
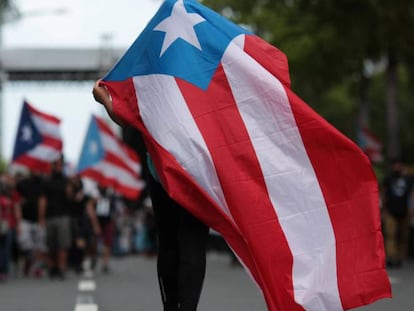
<point>108,161</point>
<point>295,199</point>
<point>38,139</point>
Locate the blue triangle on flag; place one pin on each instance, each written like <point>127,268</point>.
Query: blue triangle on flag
<point>92,150</point>
<point>27,136</point>
<point>181,59</point>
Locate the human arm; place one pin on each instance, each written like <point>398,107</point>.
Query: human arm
<point>42,205</point>
<point>102,96</point>
<point>18,216</point>
<point>90,211</point>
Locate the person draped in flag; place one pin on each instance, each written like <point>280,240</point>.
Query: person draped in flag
<point>182,238</point>
<point>295,199</point>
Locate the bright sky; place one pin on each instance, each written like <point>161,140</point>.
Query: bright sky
<point>83,24</point>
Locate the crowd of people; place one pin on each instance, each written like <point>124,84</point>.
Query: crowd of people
<point>51,224</point>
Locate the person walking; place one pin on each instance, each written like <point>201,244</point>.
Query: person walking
<point>182,238</point>
<point>397,189</point>
<point>104,213</point>
<point>54,215</point>
<point>32,236</point>
<point>84,224</point>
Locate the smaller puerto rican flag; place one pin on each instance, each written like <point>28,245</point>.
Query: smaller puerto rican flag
<point>109,162</point>
<point>38,140</point>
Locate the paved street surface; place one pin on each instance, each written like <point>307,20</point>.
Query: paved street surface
<point>131,286</point>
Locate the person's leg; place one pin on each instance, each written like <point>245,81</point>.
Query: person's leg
<point>25,241</point>
<point>166,218</point>
<point>404,228</point>
<point>3,258</point>
<point>192,241</point>
<point>51,242</point>
<point>15,253</point>
<point>108,237</point>
<point>39,249</point>
<point>390,230</point>
<point>8,249</point>
<point>64,241</point>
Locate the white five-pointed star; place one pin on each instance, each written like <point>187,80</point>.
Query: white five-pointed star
<point>27,133</point>
<point>179,25</point>
<point>93,147</point>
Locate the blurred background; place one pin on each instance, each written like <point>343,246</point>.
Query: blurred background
<point>352,61</point>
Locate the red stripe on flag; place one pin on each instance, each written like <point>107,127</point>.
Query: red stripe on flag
<point>243,185</point>
<point>104,127</point>
<point>124,101</point>
<point>271,58</point>
<point>115,160</point>
<point>175,180</point>
<point>128,192</point>
<point>181,187</point>
<point>52,142</point>
<point>123,148</point>
<point>45,116</point>
<point>353,206</point>
<point>33,164</point>
<point>359,245</point>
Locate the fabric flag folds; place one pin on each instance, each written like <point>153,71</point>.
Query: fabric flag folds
<point>295,199</point>
<point>107,160</point>
<point>38,139</point>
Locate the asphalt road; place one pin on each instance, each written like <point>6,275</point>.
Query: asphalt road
<point>131,286</point>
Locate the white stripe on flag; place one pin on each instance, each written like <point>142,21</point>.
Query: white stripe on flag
<point>291,181</point>
<point>123,177</point>
<point>46,127</point>
<point>113,146</point>
<point>44,153</point>
<point>171,120</point>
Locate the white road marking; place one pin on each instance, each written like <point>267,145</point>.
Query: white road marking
<point>84,300</point>
<point>88,285</point>
<point>86,307</point>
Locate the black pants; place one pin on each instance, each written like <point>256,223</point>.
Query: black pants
<point>181,252</point>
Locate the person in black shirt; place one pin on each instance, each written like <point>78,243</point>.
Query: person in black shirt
<point>396,190</point>
<point>84,224</point>
<point>55,217</point>
<point>32,236</point>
